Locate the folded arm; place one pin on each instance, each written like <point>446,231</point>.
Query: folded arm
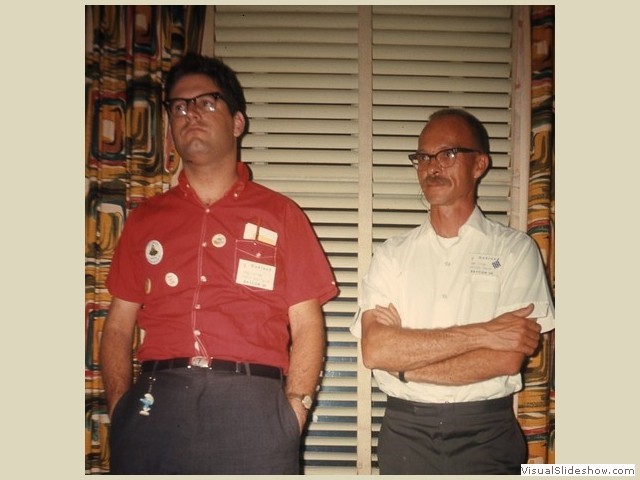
<point>468,368</point>
<point>455,355</point>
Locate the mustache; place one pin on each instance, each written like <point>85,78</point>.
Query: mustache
<point>435,181</point>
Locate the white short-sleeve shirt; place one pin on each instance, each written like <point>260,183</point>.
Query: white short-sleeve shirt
<point>487,270</point>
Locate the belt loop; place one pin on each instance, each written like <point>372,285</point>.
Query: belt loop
<point>247,368</point>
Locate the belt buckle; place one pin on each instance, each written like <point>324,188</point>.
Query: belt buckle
<point>202,362</point>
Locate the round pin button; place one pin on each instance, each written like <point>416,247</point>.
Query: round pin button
<point>153,252</point>
<point>219,240</point>
<point>171,279</point>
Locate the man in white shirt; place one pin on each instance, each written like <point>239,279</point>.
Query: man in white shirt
<point>449,312</point>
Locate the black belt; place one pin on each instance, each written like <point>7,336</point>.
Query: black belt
<point>456,408</point>
<point>214,364</point>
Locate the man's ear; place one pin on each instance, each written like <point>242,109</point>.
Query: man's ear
<point>239,124</point>
<point>481,165</point>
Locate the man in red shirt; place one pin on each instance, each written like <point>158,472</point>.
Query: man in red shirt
<point>226,279</point>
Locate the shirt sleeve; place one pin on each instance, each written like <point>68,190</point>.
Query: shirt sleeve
<point>525,283</point>
<point>123,279</point>
<point>307,270</point>
<point>378,286</point>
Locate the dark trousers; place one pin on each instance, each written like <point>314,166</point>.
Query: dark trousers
<point>205,422</point>
<point>451,438</point>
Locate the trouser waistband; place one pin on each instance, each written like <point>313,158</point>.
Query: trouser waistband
<point>457,408</point>
<point>243,368</point>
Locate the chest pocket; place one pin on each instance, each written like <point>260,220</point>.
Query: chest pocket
<point>484,294</point>
<point>255,264</point>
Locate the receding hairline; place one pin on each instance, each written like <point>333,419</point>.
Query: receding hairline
<point>476,127</point>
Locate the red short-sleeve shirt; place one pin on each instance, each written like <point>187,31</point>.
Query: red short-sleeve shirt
<point>218,280</point>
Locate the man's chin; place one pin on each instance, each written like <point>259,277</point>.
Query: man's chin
<point>196,148</point>
<point>433,191</point>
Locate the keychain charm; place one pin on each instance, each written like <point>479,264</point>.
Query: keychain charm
<point>148,399</point>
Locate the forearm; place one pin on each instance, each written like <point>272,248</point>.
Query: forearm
<point>116,365</point>
<point>116,350</point>
<point>388,346</point>
<point>392,348</point>
<point>306,355</point>
<point>471,367</point>
<point>306,359</point>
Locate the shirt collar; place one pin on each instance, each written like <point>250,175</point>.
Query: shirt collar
<point>244,177</point>
<point>474,222</point>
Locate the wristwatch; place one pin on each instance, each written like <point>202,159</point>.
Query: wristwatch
<point>306,400</point>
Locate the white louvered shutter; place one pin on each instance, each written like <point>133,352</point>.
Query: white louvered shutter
<point>299,66</point>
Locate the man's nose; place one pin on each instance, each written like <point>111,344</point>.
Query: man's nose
<point>433,167</point>
<point>192,108</point>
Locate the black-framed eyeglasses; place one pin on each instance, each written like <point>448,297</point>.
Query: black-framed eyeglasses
<point>205,103</point>
<point>445,157</point>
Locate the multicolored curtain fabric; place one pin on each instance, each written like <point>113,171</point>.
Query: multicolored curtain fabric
<point>536,410</point>
<point>128,156</point>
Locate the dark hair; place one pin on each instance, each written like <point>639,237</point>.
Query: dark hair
<point>476,126</point>
<point>218,71</point>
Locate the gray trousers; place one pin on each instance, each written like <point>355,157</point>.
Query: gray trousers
<point>451,438</point>
<point>205,422</point>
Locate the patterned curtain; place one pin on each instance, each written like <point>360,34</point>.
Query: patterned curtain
<point>128,155</point>
<point>536,410</point>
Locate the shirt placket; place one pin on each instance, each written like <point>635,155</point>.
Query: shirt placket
<point>444,283</point>
<point>202,279</point>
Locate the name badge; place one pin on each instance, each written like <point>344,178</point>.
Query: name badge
<point>484,264</point>
<point>254,274</point>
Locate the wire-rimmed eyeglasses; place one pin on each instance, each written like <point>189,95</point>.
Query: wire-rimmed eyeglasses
<point>445,157</point>
<point>205,103</point>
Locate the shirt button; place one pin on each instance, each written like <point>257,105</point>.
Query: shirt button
<point>196,333</point>
<point>197,307</point>
<point>207,210</point>
<point>204,244</point>
<point>203,279</point>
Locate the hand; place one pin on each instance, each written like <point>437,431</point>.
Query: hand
<point>514,332</point>
<point>300,411</point>
<point>387,315</point>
